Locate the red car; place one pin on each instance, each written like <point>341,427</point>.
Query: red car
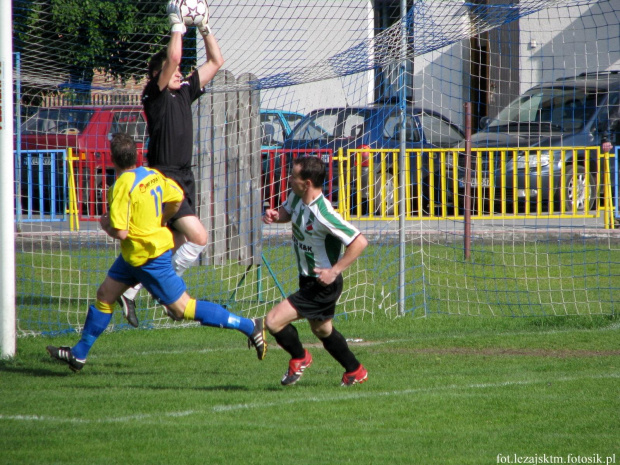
<point>88,131</point>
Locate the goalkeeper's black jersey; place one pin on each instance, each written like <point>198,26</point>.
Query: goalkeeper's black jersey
<point>169,119</point>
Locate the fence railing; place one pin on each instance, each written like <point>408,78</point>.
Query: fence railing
<point>47,181</point>
<point>615,182</point>
<point>575,182</point>
<point>91,99</point>
<point>276,165</point>
<point>559,182</point>
<point>41,185</point>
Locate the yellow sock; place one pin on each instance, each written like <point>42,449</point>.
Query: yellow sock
<point>103,307</point>
<point>190,310</point>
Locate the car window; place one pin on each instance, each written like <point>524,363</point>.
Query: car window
<point>523,109</point>
<point>58,121</point>
<point>353,125</point>
<point>293,119</point>
<point>318,126</point>
<point>130,122</point>
<point>614,105</point>
<point>560,108</point>
<point>273,133</point>
<point>332,123</point>
<point>438,132</point>
<point>391,128</point>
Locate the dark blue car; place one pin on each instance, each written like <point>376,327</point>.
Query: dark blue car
<point>323,132</point>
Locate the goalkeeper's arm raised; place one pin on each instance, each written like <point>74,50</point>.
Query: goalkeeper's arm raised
<point>174,52</point>
<point>215,60</point>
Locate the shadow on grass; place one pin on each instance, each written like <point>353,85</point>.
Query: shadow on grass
<point>38,372</point>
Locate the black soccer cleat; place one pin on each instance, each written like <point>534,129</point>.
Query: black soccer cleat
<point>64,354</point>
<point>129,310</point>
<point>258,338</point>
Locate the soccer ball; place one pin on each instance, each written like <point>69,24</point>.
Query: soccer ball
<point>194,11</point>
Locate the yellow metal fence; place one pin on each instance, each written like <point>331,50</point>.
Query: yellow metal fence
<point>554,182</point>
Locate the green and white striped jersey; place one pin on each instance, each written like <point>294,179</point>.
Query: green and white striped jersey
<point>318,233</point>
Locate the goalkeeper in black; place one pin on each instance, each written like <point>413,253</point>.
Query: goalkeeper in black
<point>167,99</point>
<point>319,233</point>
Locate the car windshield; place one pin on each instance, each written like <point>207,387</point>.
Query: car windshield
<point>333,123</point>
<point>439,132</point>
<point>554,109</point>
<point>57,121</point>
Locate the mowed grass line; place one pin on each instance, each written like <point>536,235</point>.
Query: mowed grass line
<point>444,390</point>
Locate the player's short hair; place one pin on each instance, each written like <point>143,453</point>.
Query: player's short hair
<point>157,63</point>
<point>312,168</point>
<point>123,148</point>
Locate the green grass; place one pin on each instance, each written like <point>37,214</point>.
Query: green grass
<point>441,390</point>
<point>54,287</point>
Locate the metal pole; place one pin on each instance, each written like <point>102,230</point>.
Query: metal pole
<point>402,101</point>
<point>467,200</point>
<point>18,149</point>
<point>7,192</point>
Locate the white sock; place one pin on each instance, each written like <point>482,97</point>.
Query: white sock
<point>185,256</point>
<point>132,292</point>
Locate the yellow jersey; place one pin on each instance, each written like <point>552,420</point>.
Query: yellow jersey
<point>135,204</point>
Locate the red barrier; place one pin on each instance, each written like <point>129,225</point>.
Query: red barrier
<point>275,180</point>
<point>94,173</point>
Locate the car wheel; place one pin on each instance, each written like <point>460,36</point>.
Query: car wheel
<point>384,194</point>
<point>576,192</point>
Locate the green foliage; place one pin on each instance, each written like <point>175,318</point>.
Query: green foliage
<point>88,35</point>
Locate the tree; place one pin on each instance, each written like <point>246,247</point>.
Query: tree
<point>75,38</point>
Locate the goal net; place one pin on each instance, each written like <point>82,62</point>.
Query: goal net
<point>526,228</point>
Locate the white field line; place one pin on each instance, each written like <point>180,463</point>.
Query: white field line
<point>344,396</point>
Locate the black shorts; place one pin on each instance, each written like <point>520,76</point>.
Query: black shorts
<point>185,179</point>
<point>315,301</point>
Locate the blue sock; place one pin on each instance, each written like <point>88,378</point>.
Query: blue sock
<point>96,323</point>
<point>210,314</point>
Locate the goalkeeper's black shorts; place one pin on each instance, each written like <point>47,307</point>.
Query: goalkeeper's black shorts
<point>315,301</point>
<point>185,179</point>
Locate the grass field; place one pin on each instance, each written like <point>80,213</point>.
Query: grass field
<point>441,390</point>
<point>54,287</point>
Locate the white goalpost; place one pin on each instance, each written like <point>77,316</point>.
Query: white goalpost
<point>7,224</point>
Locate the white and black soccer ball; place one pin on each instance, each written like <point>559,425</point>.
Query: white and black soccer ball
<point>194,11</point>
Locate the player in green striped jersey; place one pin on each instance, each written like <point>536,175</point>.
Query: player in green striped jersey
<point>319,233</point>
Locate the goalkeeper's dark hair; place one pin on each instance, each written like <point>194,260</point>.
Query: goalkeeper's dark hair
<point>312,168</point>
<point>124,153</point>
<point>157,63</point>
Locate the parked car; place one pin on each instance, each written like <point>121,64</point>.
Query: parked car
<point>569,112</point>
<point>323,132</point>
<point>88,131</point>
<point>276,125</point>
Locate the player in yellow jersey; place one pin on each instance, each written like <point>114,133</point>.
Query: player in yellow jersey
<point>141,201</point>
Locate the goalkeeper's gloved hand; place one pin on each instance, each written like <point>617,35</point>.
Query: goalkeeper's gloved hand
<point>203,27</point>
<point>174,16</point>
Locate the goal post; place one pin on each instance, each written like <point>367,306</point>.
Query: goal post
<point>7,225</point>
